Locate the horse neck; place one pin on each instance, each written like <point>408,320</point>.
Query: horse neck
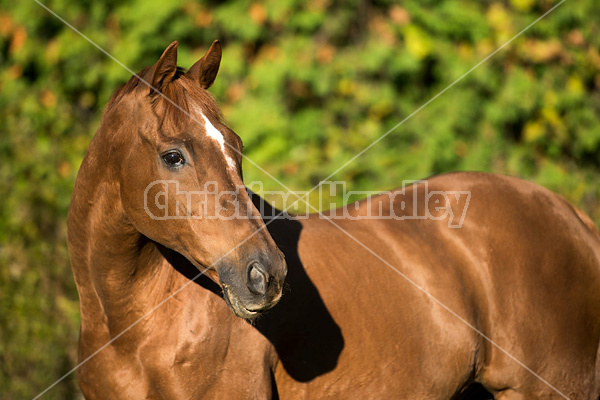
<point>120,274</point>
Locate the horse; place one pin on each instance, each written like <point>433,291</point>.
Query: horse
<point>221,301</point>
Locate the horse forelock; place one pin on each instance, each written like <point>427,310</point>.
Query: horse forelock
<point>171,104</point>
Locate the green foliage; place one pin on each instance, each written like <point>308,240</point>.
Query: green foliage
<point>307,85</point>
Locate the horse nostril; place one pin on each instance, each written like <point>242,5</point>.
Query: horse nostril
<point>257,278</point>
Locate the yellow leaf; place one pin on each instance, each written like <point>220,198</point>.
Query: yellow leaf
<point>533,130</point>
<point>346,87</point>
<point>575,85</point>
<point>522,5</point>
<point>499,19</point>
<point>417,42</point>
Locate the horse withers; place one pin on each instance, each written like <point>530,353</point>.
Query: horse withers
<point>372,308</point>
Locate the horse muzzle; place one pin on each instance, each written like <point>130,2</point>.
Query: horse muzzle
<point>257,288</point>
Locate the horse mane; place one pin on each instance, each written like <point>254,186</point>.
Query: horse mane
<point>172,107</point>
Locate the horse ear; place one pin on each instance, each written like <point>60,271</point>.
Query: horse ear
<point>165,68</point>
<point>205,70</point>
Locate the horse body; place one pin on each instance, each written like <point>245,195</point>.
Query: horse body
<point>523,270</point>
<point>419,312</point>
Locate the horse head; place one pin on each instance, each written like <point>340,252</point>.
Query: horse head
<point>178,166</point>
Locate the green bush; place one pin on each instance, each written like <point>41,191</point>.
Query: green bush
<point>307,85</point>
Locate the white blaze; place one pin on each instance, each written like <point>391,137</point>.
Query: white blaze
<point>214,134</point>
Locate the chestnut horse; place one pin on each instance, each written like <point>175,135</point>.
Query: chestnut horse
<point>371,308</point>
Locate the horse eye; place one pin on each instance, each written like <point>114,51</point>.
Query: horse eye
<point>173,158</point>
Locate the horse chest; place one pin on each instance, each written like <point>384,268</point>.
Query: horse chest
<point>199,354</point>
<point>224,359</point>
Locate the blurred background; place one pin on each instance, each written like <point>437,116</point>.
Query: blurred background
<point>307,85</point>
